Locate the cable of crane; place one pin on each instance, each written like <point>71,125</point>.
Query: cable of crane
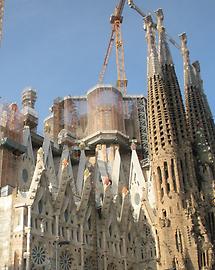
<point>173,41</point>
<point>139,11</point>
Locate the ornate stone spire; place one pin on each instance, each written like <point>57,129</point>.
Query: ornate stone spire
<point>164,54</point>
<point>176,107</point>
<point>197,108</point>
<point>167,129</point>
<point>170,151</point>
<point>197,72</point>
<point>152,58</point>
<point>201,128</point>
<point>189,76</point>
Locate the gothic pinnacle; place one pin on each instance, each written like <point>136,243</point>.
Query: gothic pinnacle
<point>153,64</point>
<point>164,54</point>
<point>197,72</point>
<point>189,76</point>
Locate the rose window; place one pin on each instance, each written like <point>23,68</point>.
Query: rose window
<point>89,264</point>
<point>112,266</point>
<point>65,260</point>
<point>38,255</point>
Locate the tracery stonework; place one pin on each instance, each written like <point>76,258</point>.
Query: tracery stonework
<point>38,255</point>
<point>66,260</point>
<point>87,195</point>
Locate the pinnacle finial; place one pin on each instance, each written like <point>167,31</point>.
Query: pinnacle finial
<point>148,23</point>
<point>184,50</point>
<point>152,59</point>
<point>160,18</point>
<point>197,70</point>
<point>164,54</point>
<point>196,65</point>
<point>183,37</point>
<point>189,76</point>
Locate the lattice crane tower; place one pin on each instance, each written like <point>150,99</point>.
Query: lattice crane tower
<point>1,17</point>
<point>116,35</point>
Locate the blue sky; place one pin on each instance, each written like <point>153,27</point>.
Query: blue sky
<point>58,46</point>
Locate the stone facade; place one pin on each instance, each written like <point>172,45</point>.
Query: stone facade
<point>182,211</point>
<point>85,196</point>
<point>84,213</point>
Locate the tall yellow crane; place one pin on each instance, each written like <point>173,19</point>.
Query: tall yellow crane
<point>1,17</point>
<point>116,35</point>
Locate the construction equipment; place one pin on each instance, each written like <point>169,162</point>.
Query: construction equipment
<point>142,14</point>
<point>1,17</point>
<point>116,21</point>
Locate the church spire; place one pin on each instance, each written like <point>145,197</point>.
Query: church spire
<point>189,76</point>
<point>177,116</point>
<point>197,108</point>
<point>164,53</point>
<point>172,167</point>
<point>197,72</point>
<point>167,129</point>
<point>153,65</point>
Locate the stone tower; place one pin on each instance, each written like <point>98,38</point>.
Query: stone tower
<point>11,137</point>
<point>201,127</point>
<point>30,116</point>
<point>171,160</point>
<point>197,108</point>
<point>85,196</point>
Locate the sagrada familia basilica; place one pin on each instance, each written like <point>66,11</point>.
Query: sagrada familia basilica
<point>117,182</point>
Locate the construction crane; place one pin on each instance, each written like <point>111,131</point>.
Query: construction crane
<point>1,17</point>
<point>116,35</point>
<point>142,14</point>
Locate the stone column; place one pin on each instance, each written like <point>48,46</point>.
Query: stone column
<point>124,252</point>
<point>28,258</point>
<point>56,240</point>
<point>82,245</point>
<point>104,249</point>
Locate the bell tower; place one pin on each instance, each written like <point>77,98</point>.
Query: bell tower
<point>201,127</point>
<point>171,157</point>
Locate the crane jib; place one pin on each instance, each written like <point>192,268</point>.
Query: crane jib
<point>119,8</point>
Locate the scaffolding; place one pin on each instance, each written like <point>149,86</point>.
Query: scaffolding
<point>105,109</point>
<point>142,118</point>
<point>11,122</point>
<point>11,138</point>
<point>136,120</point>
<point>81,116</point>
<point>130,117</point>
<point>70,114</point>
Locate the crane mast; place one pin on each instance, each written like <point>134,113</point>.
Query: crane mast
<point>1,17</point>
<point>116,35</point>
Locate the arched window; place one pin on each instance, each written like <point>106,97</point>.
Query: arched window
<point>89,223</point>
<point>40,206</point>
<point>166,170</point>
<point>173,174</point>
<point>178,240</point>
<point>159,174</point>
